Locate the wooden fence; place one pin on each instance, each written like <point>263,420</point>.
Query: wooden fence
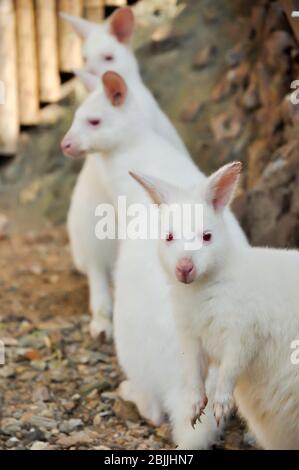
<point>35,47</point>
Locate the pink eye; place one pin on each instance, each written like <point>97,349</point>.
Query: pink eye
<point>207,237</point>
<point>109,58</point>
<point>94,122</point>
<point>169,237</point>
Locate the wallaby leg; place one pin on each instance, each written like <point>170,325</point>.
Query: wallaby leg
<point>204,434</point>
<point>149,408</point>
<point>100,303</point>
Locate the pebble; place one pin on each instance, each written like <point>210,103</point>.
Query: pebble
<point>71,425</point>
<point>41,394</point>
<point>43,422</point>
<point>7,372</point>
<point>10,426</point>
<point>39,445</point>
<point>79,438</point>
<point>97,420</point>
<point>126,411</point>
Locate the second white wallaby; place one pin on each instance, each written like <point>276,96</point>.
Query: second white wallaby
<point>106,46</point>
<point>146,341</point>
<point>241,304</point>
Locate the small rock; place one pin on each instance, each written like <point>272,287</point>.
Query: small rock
<point>7,372</point>
<point>43,422</point>
<point>126,411</point>
<point>39,365</point>
<point>101,448</point>
<point>164,432</point>
<point>12,442</point>
<point>35,435</point>
<point>36,269</point>
<point>33,355</point>
<point>99,385</point>
<point>69,405</point>
<point>38,445</point>
<point>71,425</point>
<point>10,426</point>
<point>41,394</point>
<point>34,341</point>
<point>204,57</point>
<point>79,438</point>
<point>97,420</point>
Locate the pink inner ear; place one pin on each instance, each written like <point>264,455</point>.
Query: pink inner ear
<point>115,88</point>
<point>122,24</point>
<point>224,186</point>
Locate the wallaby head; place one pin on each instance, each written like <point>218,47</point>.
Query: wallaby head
<point>107,46</point>
<point>193,245</point>
<point>106,119</point>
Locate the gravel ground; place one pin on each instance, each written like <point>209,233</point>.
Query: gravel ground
<point>58,388</point>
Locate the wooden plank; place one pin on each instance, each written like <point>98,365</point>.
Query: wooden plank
<point>116,3</point>
<point>289,6</point>
<point>27,63</point>
<point>47,39</point>
<point>9,116</point>
<point>70,44</point>
<point>94,10</point>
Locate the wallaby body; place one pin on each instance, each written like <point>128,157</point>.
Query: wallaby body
<point>106,47</point>
<point>247,318</point>
<point>146,343</point>
<point>95,258</point>
<point>148,348</point>
<point>243,305</point>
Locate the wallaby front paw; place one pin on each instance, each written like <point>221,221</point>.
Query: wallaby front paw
<point>198,410</point>
<point>101,326</point>
<point>223,405</point>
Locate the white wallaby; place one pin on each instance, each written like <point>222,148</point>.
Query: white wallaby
<point>111,122</point>
<point>106,46</point>
<point>243,305</point>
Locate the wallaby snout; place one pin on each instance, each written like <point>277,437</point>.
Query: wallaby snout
<point>185,270</point>
<point>70,146</point>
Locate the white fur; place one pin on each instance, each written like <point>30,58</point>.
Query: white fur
<point>146,341</point>
<point>98,43</point>
<point>244,305</point>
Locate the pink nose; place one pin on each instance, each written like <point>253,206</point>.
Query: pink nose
<point>69,148</point>
<point>185,271</point>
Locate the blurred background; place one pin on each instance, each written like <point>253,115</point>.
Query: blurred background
<point>222,71</point>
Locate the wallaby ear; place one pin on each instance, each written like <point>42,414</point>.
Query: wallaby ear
<point>115,88</point>
<point>122,24</point>
<point>222,185</point>
<point>90,81</point>
<point>158,190</point>
<point>81,26</point>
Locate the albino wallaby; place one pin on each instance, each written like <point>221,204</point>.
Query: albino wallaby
<point>242,303</point>
<point>106,46</point>
<point>110,122</point>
